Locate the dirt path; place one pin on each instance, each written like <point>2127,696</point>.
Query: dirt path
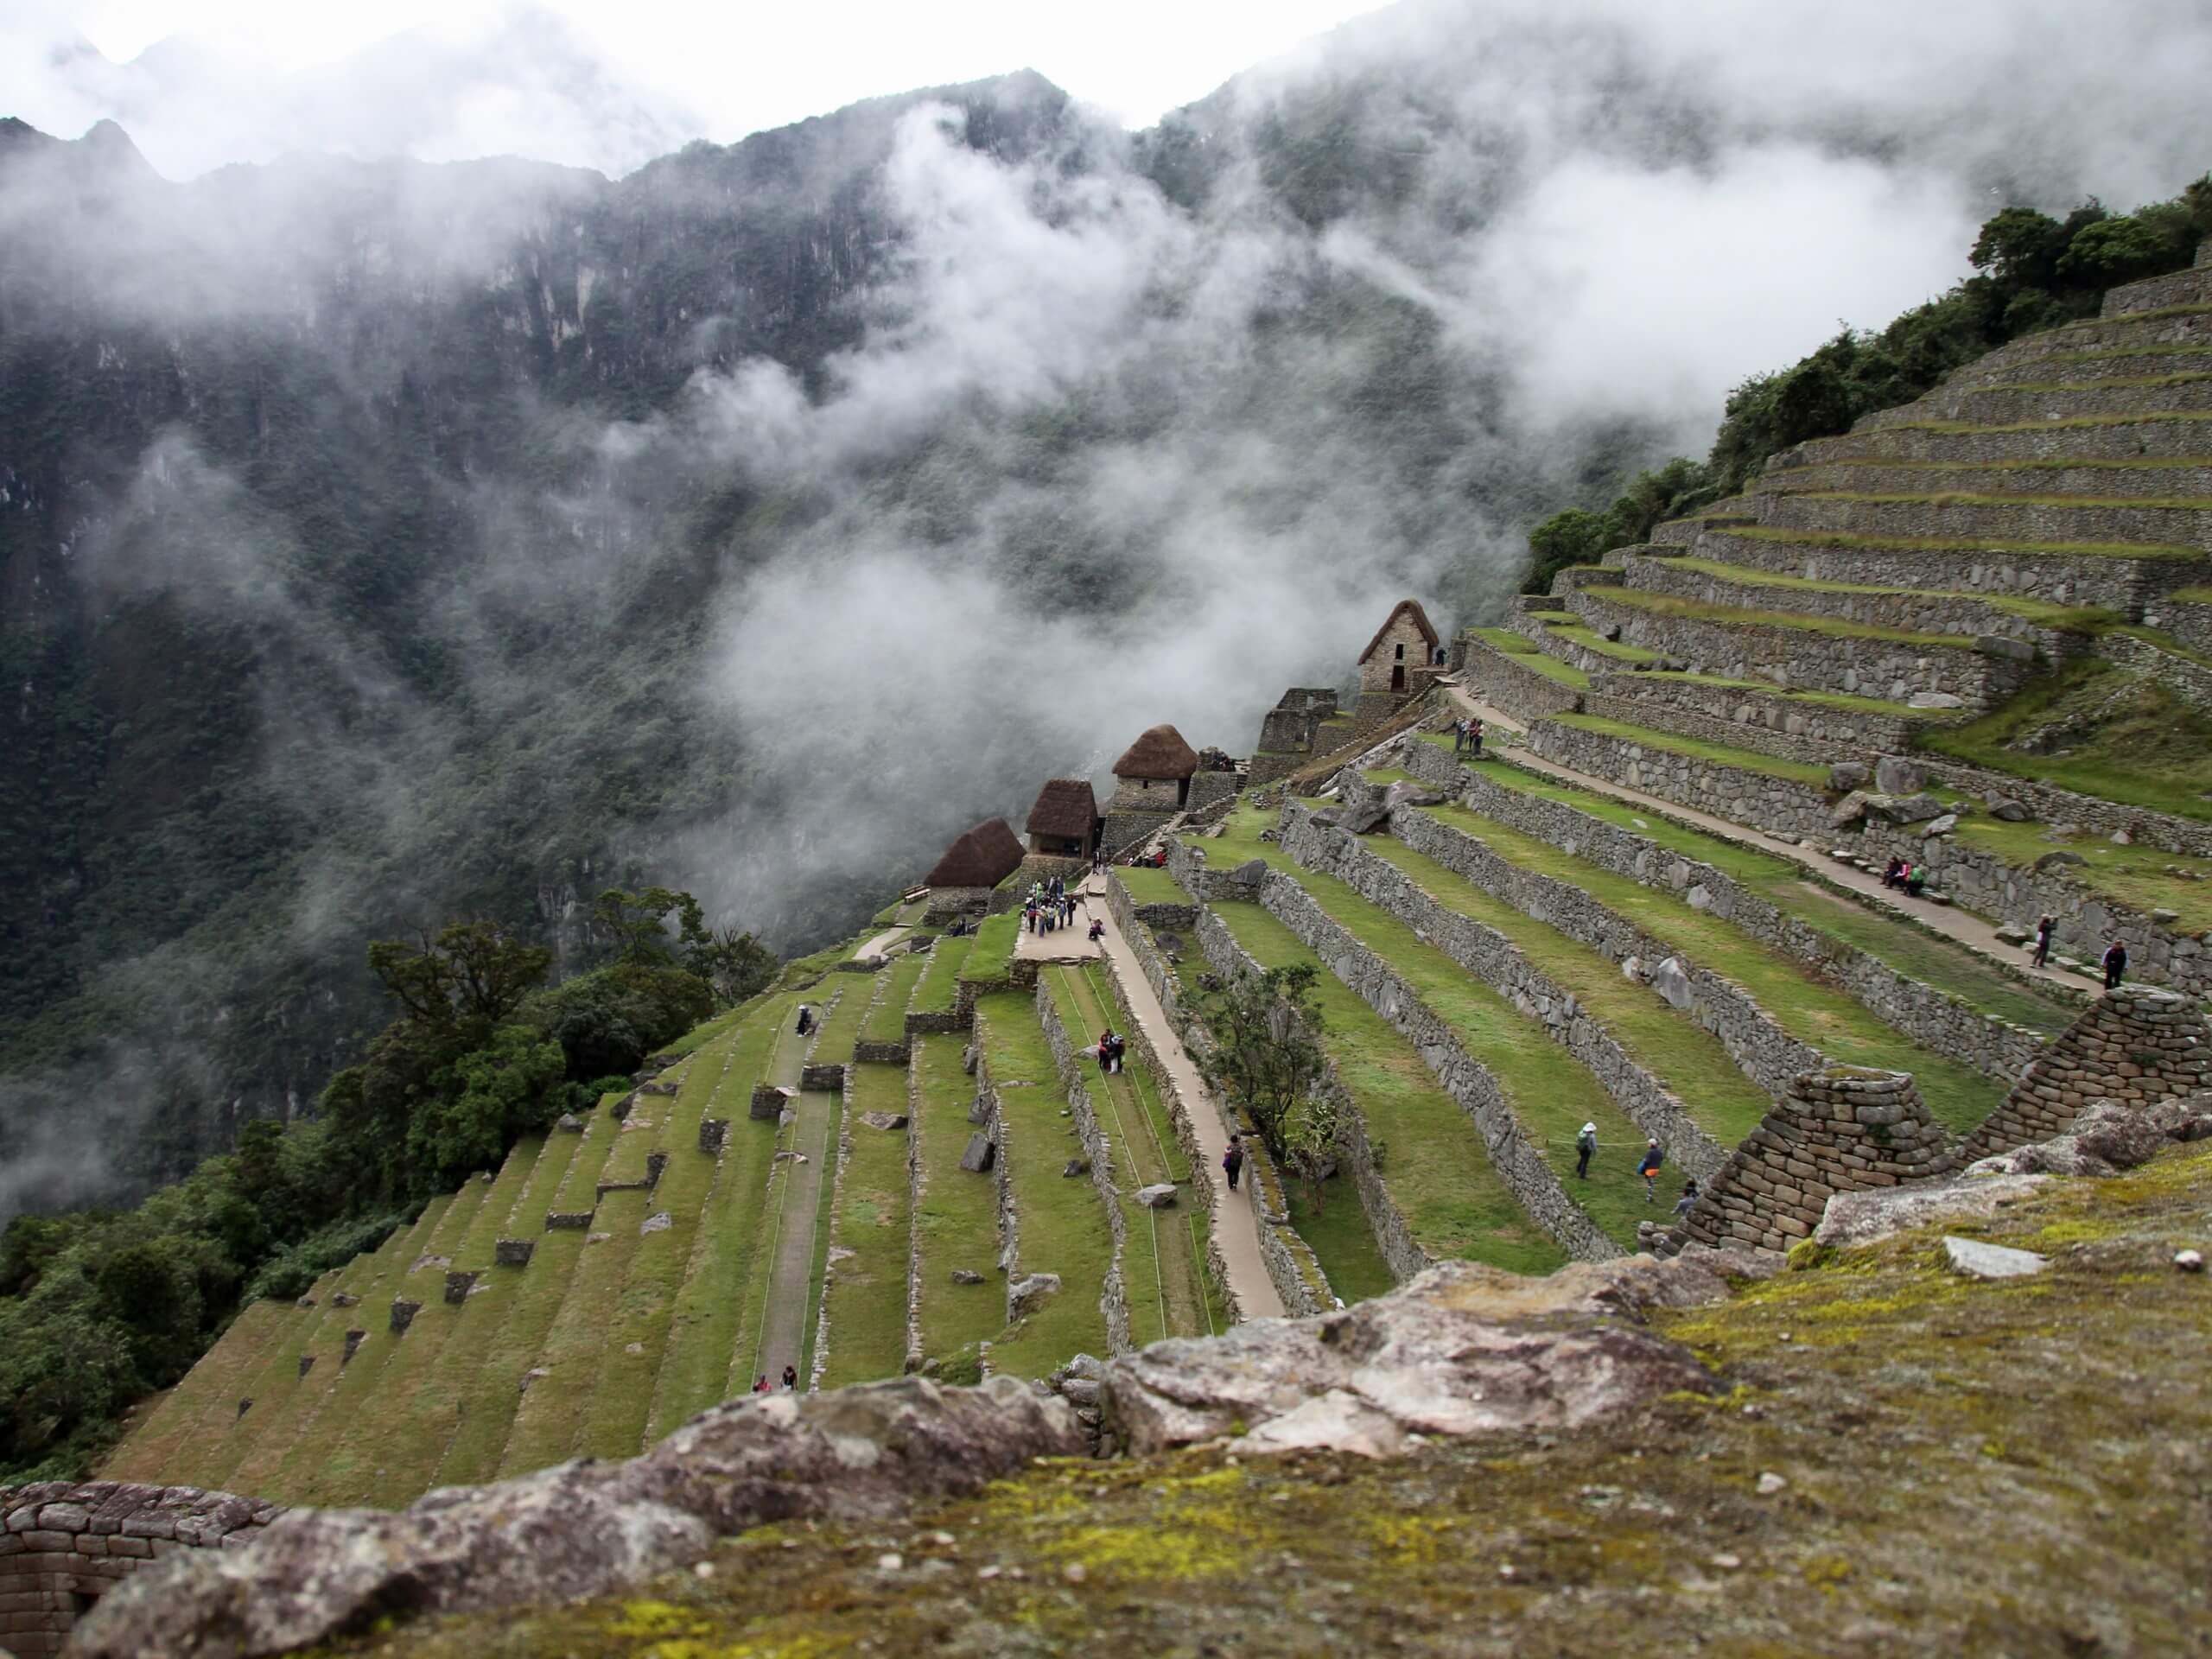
<point>1961,926</point>
<point>1236,1223</point>
<point>1069,943</point>
<point>781,1337</point>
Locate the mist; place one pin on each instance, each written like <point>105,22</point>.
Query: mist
<point>558,534</point>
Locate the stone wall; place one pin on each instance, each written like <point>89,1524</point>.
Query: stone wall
<point>1839,1131</point>
<point>2188,679</point>
<point>1492,958</point>
<point>2133,1045</point>
<point>67,1543</point>
<point>1393,1238</point>
<point>1743,716</point>
<point>1995,1047</point>
<point>1775,804</point>
<point>1212,788</point>
<point>1999,519</point>
<point>1098,1152</point>
<point>2188,621</point>
<point>949,904</point>
<point>835,1252</point>
<point>1125,831</point>
<point>2054,806</point>
<point>1400,646</point>
<point>1856,665</point>
<point>1290,1262</point>
<point>1513,686</point>
<point>1662,713</point>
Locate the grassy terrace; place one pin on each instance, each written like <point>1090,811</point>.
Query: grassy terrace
<point>1642,598</point>
<point>955,1213</point>
<point>1524,652</point>
<point>1575,631</point>
<point>2064,423</point>
<point>2148,381</point>
<point>1960,498</point>
<point>1164,1263</point>
<point>1336,1231</point>
<point>992,948</point>
<point>190,1416</point>
<point>2157,753</point>
<point>1796,771</point>
<point>1912,951</point>
<point>939,988</point>
<point>886,1021</point>
<point>704,1319</point>
<point>841,1027</point>
<point>2042,612</point>
<point>1844,540</point>
<point>1807,1008</point>
<point>1551,1093</point>
<point>2138,876</point>
<point>1063,1227</point>
<point>1842,700</point>
<point>1148,886</point>
<point>867,1296</point>
<point>1435,1167</point>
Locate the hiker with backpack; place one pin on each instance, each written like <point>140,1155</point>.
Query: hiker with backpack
<point>1233,1160</point>
<point>2044,929</point>
<point>2116,964</point>
<point>1653,1158</point>
<point>1586,1147</point>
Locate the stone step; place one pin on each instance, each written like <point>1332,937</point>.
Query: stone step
<point>1919,609</point>
<point>1810,653</point>
<point>2089,521</point>
<point>2114,583</point>
<point>2107,479</point>
<point>2122,437</point>
<point>2086,365</point>
<point>2191,287</point>
<point>2060,399</point>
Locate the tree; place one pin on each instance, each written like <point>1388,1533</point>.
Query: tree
<point>1309,1139</point>
<point>1262,1052</point>
<point>492,1096</point>
<point>639,921</point>
<point>1574,536</point>
<point>735,963</point>
<point>472,973</point>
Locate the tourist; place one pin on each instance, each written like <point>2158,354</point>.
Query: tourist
<point>1893,874</point>
<point>1098,930</point>
<point>1475,738</point>
<point>1233,1160</point>
<point>1649,1168</point>
<point>2044,929</point>
<point>760,1385</point>
<point>806,1019</point>
<point>1687,1202</point>
<point>1914,879</point>
<point>790,1376</point>
<point>1586,1147</point>
<point>1105,1052</point>
<point>1459,735</point>
<point>2116,964</point>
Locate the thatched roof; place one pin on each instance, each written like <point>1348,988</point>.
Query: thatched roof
<point>1421,621</point>
<point>1160,753</point>
<point>1064,807</point>
<point>983,857</point>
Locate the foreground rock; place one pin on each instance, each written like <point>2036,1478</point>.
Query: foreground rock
<point>1461,1350</point>
<point>582,1528</point>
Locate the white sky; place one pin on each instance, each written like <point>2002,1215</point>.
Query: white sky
<point>750,65</point>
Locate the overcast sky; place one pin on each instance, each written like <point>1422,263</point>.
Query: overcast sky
<point>722,70</point>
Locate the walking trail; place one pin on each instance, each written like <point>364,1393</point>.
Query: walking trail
<point>1953,923</point>
<point>798,1209</point>
<point>904,924</point>
<point>1236,1221</point>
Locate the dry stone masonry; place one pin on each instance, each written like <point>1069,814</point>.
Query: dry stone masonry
<point>2137,1045</point>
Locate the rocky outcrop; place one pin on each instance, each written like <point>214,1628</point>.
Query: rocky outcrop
<point>864,1453</point>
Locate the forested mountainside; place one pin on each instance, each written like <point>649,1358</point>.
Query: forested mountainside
<point>381,543</point>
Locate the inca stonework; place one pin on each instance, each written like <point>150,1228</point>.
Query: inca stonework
<point>2137,1045</point>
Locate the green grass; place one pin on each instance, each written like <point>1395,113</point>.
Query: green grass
<point>1913,952</point>
<point>2156,382</point>
<point>886,1021</point>
<point>179,1436</point>
<point>1815,777</point>
<point>994,947</point>
<point>1815,1014</point>
<point>1576,631</point>
<point>1962,498</point>
<point>1525,654</point>
<point>2042,612</point>
<point>1336,1232</point>
<point>1063,1223</point>
<point>1842,700</point>
<point>2155,752</point>
<point>2064,423</point>
<point>1845,541</point>
<point>955,1214</point>
<point>939,988</point>
<point>1149,886</point>
<point>841,1027</point>
<point>867,1297</point>
<point>819,1221</point>
<point>2137,876</point>
<point>704,1320</point>
<point>1435,1167</point>
<point>1642,598</point>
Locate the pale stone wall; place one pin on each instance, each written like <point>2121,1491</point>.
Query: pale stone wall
<point>2001,520</point>
<point>1995,1047</point>
<point>1660,571</point>
<point>1839,1130</point>
<point>1400,646</point>
<point>67,1543</point>
<point>1516,687</point>
<point>1775,804</point>
<point>2188,619</point>
<point>2134,1044</point>
<point>1744,717</point>
<point>1098,1151</point>
<point>2123,585</point>
<point>1162,795</point>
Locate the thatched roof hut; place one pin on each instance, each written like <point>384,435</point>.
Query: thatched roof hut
<point>1065,810</point>
<point>1160,753</point>
<point>983,857</point>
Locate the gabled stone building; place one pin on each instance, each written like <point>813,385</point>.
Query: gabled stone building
<point>976,861</point>
<point>1403,647</point>
<point>1066,821</point>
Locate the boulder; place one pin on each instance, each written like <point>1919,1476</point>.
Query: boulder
<point>659,1222</point>
<point>1361,817</point>
<point>1942,826</point>
<point>2013,933</point>
<point>1974,1259</point>
<point>2121,838</point>
<point>1847,775</point>
<point>1935,700</point>
<point>1850,809</point>
<point>1161,1196</point>
<point>1023,1295</point>
<point>2059,860</point>
<point>887,1122</point>
<point>982,1152</point>
<point>1998,645</point>
<point>1672,981</point>
<point>1411,794</point>
<point>2108,1136</point>
<point>1461,1348</point>
<point>966,1277</point>
<point>1894,774</point>
<point>1865,1217</point>
<point>2010,811</point>
<point>864,1456</point>
<point>1909,809</point>
<point>2165,918</point>
<point>1074,1168</point>
<point>1250,874</point>
<point>569,1123</point>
